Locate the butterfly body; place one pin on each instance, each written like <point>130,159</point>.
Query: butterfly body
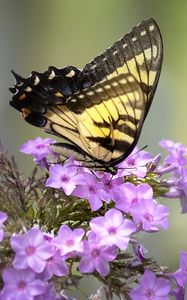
<point>100,109</point>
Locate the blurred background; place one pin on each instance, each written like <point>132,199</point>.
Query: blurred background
<point>36,34</point>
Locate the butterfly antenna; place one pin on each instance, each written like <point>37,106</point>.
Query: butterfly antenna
<point>110,179</point>
<point>139,150</point>
<point>133,154</point>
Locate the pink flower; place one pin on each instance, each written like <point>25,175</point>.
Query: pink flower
<point>133,195</point>
<point>55,265</point>
<point>69,241</point>
<point>64,177</point>
<point>150,215</point>
<point>96,257</point>
<point>21,284</point>
<point>135,163</point>
<point>176,153</point>
<point>113,229</point>
<point>113,188</point>
<point>38,148</point>
<point>91,189</point>
<point>32,250</point>
<point>151,288</point>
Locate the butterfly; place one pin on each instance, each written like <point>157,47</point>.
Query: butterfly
<point>99,110</point>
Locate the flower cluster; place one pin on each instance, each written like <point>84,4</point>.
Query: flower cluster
<point>122,205</point>
<point>98,187</point>
<point>42,256</point>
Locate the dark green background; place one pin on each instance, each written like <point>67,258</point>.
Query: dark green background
<point>35,34</point>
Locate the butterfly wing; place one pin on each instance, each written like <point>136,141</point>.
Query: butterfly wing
<point>101,121</point>
<point>139,53</point>
<point>40,90</point>
<point>103,115</point>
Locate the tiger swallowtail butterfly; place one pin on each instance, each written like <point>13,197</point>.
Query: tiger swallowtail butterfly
<point>99,110</point>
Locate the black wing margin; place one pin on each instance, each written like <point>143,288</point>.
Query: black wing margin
<point>139,52</point>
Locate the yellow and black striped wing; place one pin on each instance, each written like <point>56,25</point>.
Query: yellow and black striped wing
<point>139,53</point>
<point>124,80</point>
<point>101,109</point>
<point>102,121</point>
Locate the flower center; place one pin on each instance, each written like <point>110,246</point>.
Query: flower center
<point>50,260</point>
<point>40,146</point>
<point>112,230</point>
<point>70,243</point>
<point>95,253</point>
<point>64,178</point>
<point>91,189</point>
<point>148,217</point>
<point>150,294</point>
<point>30,250</point>
<point>131,162</point>
<point>21,285</point>
<point>134,201</point>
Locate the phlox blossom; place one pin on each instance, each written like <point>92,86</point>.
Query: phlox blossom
<point>151,288</point>
<point>39,148</point>
<point>96,257</point>
<point>21,284</point>
<point>63,177</point>
<point>32,250</point>
<point>135,163</point>
<point>55,265</point>
<point>69,241</point>
<point>93,190</point>
<point>133,195</point>
<point>150,215</point>
<point>112,229</point>
<point>176,153</point>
